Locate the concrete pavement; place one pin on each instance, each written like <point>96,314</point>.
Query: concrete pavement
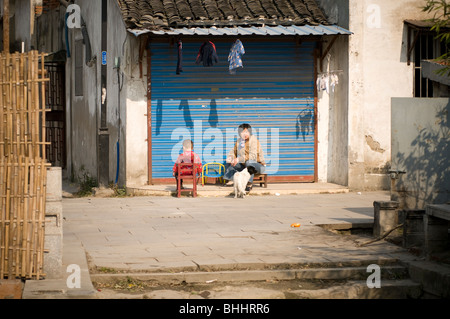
<point>155,233</point>
<point>163,234</point>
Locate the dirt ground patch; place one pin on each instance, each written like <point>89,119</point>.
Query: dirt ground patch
<point>271,289</point>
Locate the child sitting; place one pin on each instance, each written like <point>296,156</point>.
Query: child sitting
<point>188,156</point>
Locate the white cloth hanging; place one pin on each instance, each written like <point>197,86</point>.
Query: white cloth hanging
<point>327,82</point>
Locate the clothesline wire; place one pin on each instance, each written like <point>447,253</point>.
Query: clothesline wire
<point>331,72</point>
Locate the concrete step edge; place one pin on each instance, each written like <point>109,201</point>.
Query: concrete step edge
<point>212,268</point>
<point>344,273</point>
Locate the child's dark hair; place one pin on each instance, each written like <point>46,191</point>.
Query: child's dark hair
<point>243,127</point>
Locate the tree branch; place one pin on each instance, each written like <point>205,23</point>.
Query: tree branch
<point>382,237</point>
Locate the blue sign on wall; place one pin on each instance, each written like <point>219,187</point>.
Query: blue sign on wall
<point>103,57</point>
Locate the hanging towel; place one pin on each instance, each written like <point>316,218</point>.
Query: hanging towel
<point>180,57</point>
<point>322,82</point>
<point>334,81</point>
<point>235,56</point>
<point>207,54</point>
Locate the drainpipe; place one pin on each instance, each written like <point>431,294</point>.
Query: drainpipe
<point>6,26</point>
<point>103,138</point>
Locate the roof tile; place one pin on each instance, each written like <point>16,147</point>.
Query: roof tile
<point>157,14</point>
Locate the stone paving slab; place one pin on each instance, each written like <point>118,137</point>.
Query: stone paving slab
<point>172,233</point>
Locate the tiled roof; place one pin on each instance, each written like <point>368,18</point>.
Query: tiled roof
<point>160,14</point>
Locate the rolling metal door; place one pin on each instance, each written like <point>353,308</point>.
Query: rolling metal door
<point>274,92</point>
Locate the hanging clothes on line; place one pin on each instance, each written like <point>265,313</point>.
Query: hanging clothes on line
<point>328,81</point>
<point>322,81</point>
<point>235,56</point>
<point>207,54</point>
<point>334,80</point>
<point>180,57</point>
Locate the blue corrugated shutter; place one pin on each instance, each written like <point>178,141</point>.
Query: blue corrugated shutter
<point>274,92</point>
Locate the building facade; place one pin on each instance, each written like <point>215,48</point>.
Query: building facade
<point>317,91</point>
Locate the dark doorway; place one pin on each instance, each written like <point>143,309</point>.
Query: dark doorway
<point>56,119</point>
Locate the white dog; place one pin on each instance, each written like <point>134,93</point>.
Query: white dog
<point>240,180</point>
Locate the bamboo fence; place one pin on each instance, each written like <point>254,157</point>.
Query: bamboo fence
<point>23,165</point>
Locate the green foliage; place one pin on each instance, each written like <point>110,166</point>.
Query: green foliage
<point>86,182</point>
<point>118,191</point>
<point>441,22</point>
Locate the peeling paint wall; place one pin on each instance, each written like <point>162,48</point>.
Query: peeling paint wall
<point>136,110</point>
<point>380,53</point>
<point>332,107</point>
<point>355,122</point>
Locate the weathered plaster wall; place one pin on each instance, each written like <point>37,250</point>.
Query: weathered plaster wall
<point>358,136</point>
<point>83,112</point>
<point>378,72</point>
<point>21,29</point>
<point>332,107</point>
<point>50,31</point>
<point>136,110</point>
<point>117,92</point>
<point>137,147</point>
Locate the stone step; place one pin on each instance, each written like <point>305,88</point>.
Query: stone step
<point>342,273</point>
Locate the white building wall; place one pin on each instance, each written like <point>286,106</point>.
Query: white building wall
<point>377,71</point>
<point>136,119</point>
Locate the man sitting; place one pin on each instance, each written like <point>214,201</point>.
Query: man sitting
<point>246,152</point>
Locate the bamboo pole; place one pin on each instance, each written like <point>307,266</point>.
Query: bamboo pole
<point>20,95</point>
<point>7,106</point>
<point>13,218</point>
<point>7,222</point>
<point>30,115</point>
<point>41,225</point>
<point>2,217</point>
<point>25,243</point>
<point>2,109</point>
<point>20,212</point>
<point>32,210</point>
<point>23,164</point>
<point>14,106</point>
<point>43,132</point>
<point>38,219</point>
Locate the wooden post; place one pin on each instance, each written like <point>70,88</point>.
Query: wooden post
<point>6,26</point>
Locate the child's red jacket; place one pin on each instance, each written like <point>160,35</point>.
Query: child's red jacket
<point>188,157</point>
